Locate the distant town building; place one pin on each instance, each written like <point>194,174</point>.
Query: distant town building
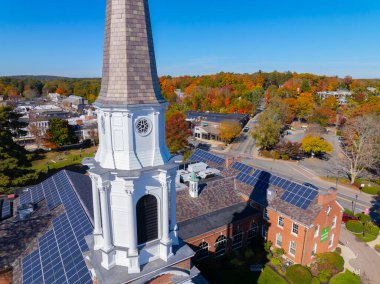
<point>206,125</point>
<point>54,97</point>
<point>74,103</point>
<point>341,95</point>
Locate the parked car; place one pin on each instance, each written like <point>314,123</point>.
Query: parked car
<point>246,129</point>
<point>310,185</point>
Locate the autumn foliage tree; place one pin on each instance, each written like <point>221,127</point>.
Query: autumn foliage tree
<point>316,145</point>
<point>60,133</point>
<point>229,130</point>
<point>177,131</point>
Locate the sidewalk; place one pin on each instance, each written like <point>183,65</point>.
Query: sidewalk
<point>367,260</point>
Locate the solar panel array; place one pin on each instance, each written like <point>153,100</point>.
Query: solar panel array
<point>204,156</point>
<point>295,194</point>
<point>31,268</point>
<point>33,194</point>
<point>242,167</point>
<point>301,196</point>
<point>6,209</point>
<point>60,249</point>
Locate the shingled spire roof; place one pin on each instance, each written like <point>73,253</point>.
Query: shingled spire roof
<point>129,64</point>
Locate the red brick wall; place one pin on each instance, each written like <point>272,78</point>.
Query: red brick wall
<point>227,231</point>
<point>305,239</point>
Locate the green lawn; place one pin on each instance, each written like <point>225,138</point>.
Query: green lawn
<point>373,189</point>
<point>344,278</point>
<point>268,276</point>
<point>57,160</point>
<point>367,238</point>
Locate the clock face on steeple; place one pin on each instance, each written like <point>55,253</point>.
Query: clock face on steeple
<point>143,126</point>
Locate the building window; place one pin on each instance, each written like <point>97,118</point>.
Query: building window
<point>314,250</point>
<point>265,214</point>
<point>264,231</point>
<point>147,219</point>
<point>333,223</point>
<point>220,246</point>
<point>279,240</point>
<point>292,248</point>
<point>328,210</point>
<point>295,229</point>
<point>202,251</point>
<point>237,240</point>
<point>316,232</point>
<point>252,232</point>
<point>281,222</point>
<point>331,241</point>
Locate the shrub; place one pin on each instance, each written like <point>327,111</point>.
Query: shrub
<point>349,212</point>
<point>370,190</point>
<point>346,277</point>
<point>377,247</point>
<point>267,246</point>
<point>363,218</point>
<point>354,226</point>
<point>338,250</point>
<point>324,275</point>
<point>278,252</point>
<point>276,261</point>
<point>328,261</point>
<point>371,228</point>
<point>377,181</point>
<point>298,274</point>
<point>315,280</point>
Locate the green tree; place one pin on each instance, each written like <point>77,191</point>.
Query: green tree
<point>315,145</point>
<point>267,133</point>
<point>15,160</point>
<point>60,133</point>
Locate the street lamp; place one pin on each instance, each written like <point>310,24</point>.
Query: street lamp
<point>354,203</point>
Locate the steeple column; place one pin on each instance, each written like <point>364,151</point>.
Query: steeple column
<point>133,253</point>
<point>108,257</point>
<point>173,211</point>
<point>97,214</point>
<point>165,248</point>
<point>104,199</point>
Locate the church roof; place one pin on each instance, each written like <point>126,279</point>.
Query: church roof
<point>129,64</point>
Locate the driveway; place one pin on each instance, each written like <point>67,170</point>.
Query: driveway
<point>368,261</point>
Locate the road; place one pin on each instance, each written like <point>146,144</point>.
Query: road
<point>245,144</point>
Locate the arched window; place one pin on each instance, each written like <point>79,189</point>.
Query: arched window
<point>252,232</point>
<point>220,246</point>
<point>202,251</point>
<point>147,219</point>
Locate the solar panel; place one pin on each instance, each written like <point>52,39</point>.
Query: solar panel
<point>51,193</point>
<point>242,167</point>
<point>6,209</point>
<point>31,269</point>
<point>25,197</point>
<point>37,193</point>
<point>52,267</point>
<point>78,218</point>
<point>204,156</point>
<point>71,255</point>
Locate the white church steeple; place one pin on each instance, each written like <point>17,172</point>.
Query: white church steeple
<point>133,174</point>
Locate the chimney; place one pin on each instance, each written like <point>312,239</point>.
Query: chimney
<point>326,196</point>
<point>193,185</point>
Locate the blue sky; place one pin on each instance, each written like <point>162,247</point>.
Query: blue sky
<point>65,37</point>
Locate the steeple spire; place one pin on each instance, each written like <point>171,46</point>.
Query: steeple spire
<point>129,65</point>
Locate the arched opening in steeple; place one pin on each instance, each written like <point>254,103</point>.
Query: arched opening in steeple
<point>147,219</point>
